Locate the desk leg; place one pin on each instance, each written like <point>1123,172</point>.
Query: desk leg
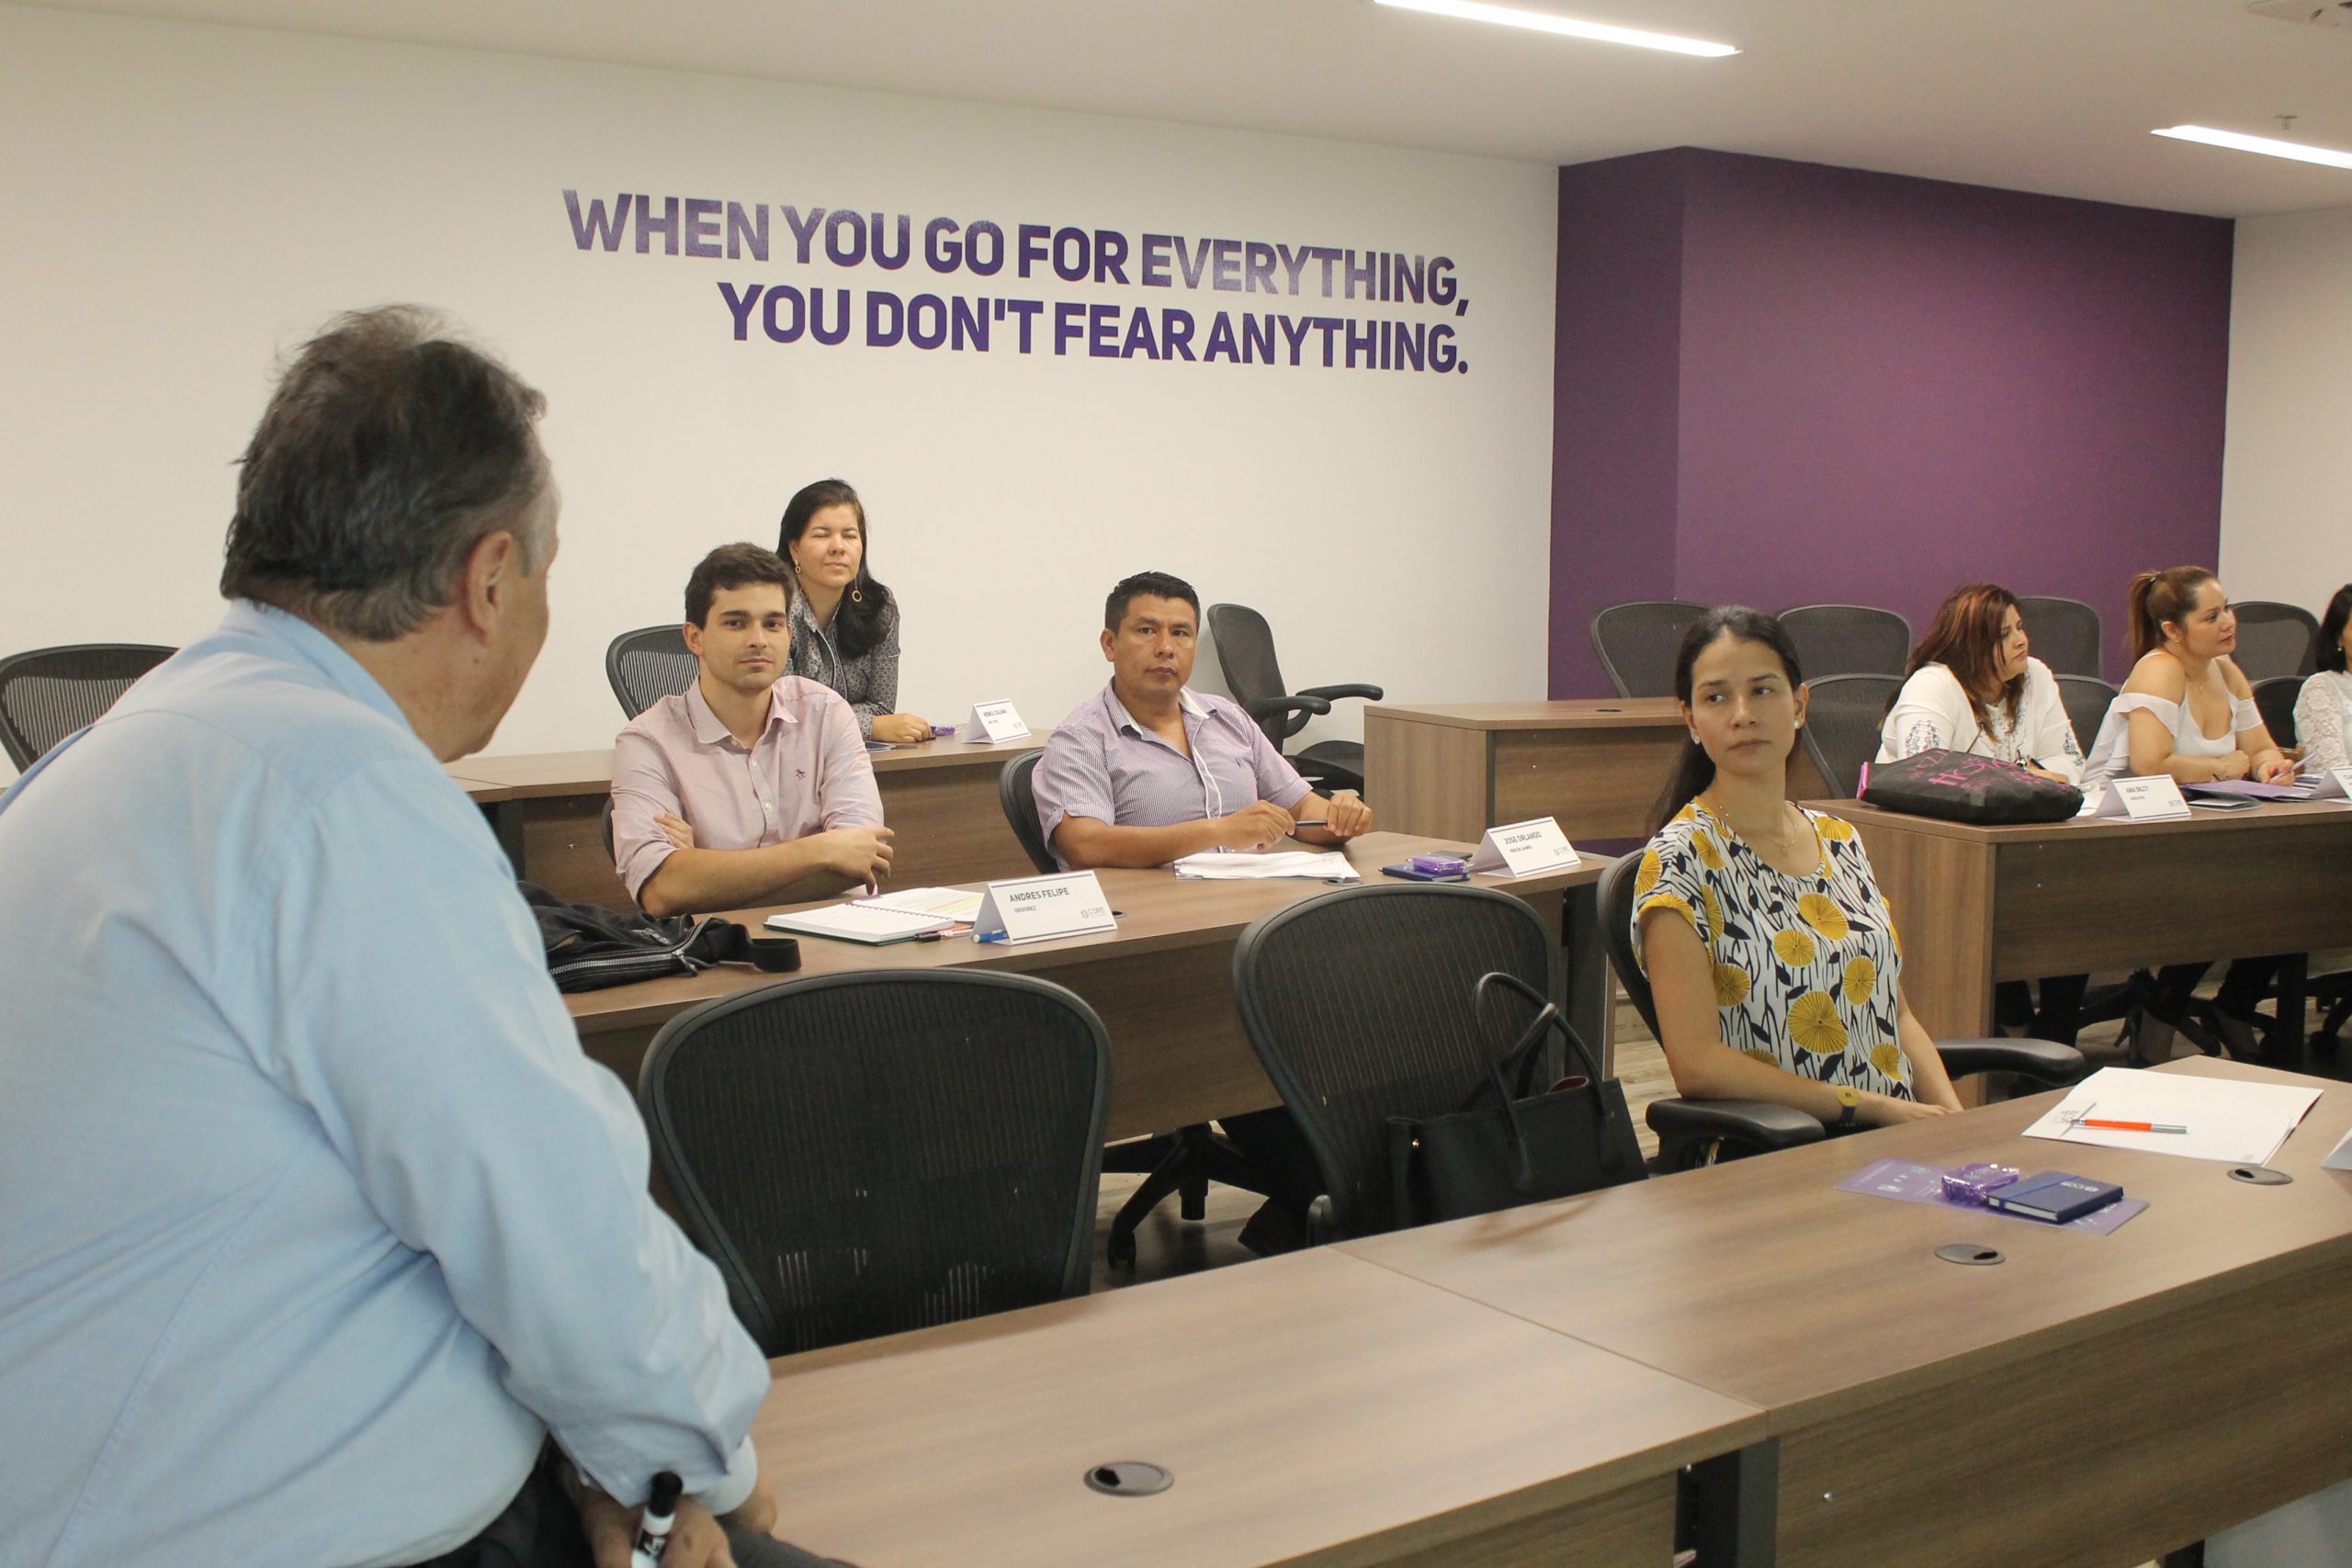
<point>1587,1005</point>
<point>506,821</point>
<point>1729,1507</point>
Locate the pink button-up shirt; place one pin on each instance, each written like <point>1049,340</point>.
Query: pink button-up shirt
<point>808,774</point>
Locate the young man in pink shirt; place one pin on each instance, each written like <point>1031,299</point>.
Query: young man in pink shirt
<point>750,786</point>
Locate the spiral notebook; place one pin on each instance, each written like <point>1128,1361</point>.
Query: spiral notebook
<point>868,923</point>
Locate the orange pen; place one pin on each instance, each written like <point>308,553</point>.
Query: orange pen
<point>2129,1126</point>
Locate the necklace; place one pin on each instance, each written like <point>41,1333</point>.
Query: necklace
<point>1781,842</point>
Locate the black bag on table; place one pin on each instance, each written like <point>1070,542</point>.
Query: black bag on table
<point>589,947</point>
<point>1508,1145</point>
<point>1961,787</point>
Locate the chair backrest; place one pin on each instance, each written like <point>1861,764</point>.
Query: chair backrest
<point>1360,1002</point>
<point>2066,634</point>
<point>49,692</point>
<point>2085,699</point>
<point>647,665</point>
<point>1614,900</point>
<point>1016,792</point>
<point>2275,698</point>
<point>866,1153</point>
<point>1245,653</point>
<point>1843,717</point>
<point>1636,642</point>
<point>1847,639</point>
<point>2276,639</point>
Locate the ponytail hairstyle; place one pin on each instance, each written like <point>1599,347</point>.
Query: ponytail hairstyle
<point>1693,769</point>
<point>1966,639</point>
<point>2160,596</point>
<point>860,621</point>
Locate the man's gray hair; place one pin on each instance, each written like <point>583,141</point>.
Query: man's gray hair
<point>388,451</point>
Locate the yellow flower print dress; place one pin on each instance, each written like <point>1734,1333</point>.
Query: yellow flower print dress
<point>1806,967</point>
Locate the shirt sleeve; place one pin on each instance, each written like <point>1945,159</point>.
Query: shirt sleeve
<point>1922,719</point>
<point>643,789</point>
<point>846,793</point>
<point>409,1008</point>
<point>2245,716</point>
<point>1277,781</point>
<point>2319,725</point>
<point>2049,734</point>
<point>1671,877</point>
<point>1072,779</point>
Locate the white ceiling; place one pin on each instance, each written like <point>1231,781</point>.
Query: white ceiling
<point>2054,95</point>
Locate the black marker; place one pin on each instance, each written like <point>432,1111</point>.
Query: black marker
<point>654,1524</point>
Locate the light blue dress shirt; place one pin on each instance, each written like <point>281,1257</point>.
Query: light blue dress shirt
<point>314,1218</point>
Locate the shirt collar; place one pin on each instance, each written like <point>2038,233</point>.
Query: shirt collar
<point>710,729</point>
<point>307,645</point>
<point>1122,719</point>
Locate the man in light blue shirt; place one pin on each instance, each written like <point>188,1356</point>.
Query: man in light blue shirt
<point>315,1222</point>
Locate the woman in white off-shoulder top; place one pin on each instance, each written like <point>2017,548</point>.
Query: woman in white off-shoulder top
<point>1972,686</point>
<point>2183,688</point>
<point>2323,708</point>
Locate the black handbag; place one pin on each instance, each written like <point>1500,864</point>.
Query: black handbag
<point>589,947</point>
<point>1962,787</point>
<point>1508,1145</point>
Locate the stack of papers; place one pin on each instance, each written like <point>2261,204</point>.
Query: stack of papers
<point>893,916</point>
<point>1224,865</point>
<point>2242,1124</point>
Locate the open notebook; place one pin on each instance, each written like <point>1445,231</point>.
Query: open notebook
<point>893,916</point>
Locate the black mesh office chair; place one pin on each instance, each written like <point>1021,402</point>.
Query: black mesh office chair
<point>1183,1162</point>
<point>1245,652</point>
<point>1700,1132</point>
<point>866,1153</point>
<point>1636,642</point>
<point>2066,634</point>
<point>1015,792</point>
<point>2276,639</point>
<point>1843,714</point>
<point>2276,699</point>
<point>49,692</point>
<point>647,665</point>
<point>1361,1005</point>
<point>2085,699</point>
<point>1847,639</point>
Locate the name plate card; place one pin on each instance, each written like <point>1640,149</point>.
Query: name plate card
<point>1522,849</point>
<point>2154,799</point>
<point>2333,784</point>
<point>1033,909</point>
<point>993,721</point>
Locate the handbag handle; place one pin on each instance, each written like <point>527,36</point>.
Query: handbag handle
<point>1547,1017</point>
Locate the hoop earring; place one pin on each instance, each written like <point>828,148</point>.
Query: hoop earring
<point>857,596</point>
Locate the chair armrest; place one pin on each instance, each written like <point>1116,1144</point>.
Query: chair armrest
<point>1265,708</point>
<point>2045,1061</point>
<point>1333,693</point>
<point>1754,1123</point>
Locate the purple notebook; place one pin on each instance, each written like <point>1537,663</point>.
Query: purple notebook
<point>2247,789</point>
<point>1925,1184</point>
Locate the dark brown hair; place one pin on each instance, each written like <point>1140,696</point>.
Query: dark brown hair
<point>858,623</point>
<point>387,452</point>
<point>2160,596</point>
<point>1145,585</point>
<point>1965,638</point>
<point>2331,629</point>
<point>733,565</point>
<point>1693,769</point>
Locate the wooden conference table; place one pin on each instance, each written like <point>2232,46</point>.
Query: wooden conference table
<point>1456,769</point>
<point>1163,983</point>
<point>940,799</point>
<point>1977,905</point>
<point>2154,1386</point>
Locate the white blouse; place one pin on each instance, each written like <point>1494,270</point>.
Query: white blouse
<point>2111,757</point>
<point>1932,711</point>
<point>2323,720</point>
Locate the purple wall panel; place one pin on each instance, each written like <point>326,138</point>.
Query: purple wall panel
<point>1890,386</point>
<point>1616,394</point>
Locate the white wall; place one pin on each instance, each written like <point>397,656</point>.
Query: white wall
<point>187,202</point>
<point>2287,468</point>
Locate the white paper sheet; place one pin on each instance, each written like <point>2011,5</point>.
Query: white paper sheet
<point>961,905</point>
<point>1220,865</point>
<point>2243,1124</point>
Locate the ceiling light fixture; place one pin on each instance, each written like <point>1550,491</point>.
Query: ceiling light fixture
<point>2267,145</point>
<point>1505,15</point>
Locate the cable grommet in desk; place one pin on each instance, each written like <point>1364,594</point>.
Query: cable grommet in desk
<point>1975,1255</point>
<point>1128,1478</point>
<point>2259,1176</point>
